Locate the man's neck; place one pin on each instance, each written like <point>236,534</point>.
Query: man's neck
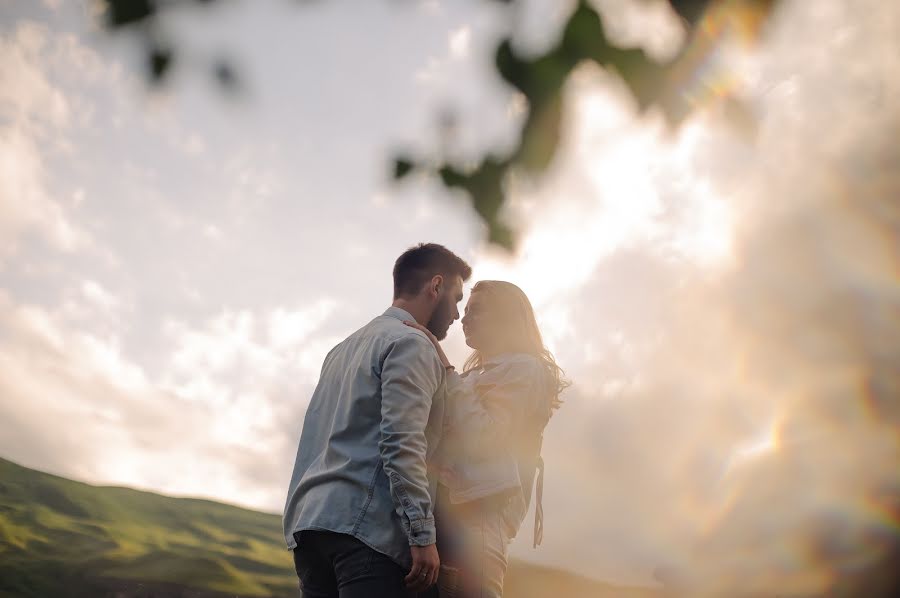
<point>417,311</point>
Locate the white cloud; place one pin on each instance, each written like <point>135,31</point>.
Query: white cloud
<point>78,405</point>
<point>287,328</point>
<point>226,343</point>
<point>193,144</point>
<point>430,72</point>
<point>25,90</point>
<point>238,351</point>
<point>649,25</point>
<point>37,114</point>
<point>25,203</point>
<point>460,40</point>
<point>212,232</point>
<point>99,297</point>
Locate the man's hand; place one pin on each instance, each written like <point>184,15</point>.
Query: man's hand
<point>426,564</point>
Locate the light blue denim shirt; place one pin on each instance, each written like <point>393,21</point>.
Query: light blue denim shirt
<point>374,419</point>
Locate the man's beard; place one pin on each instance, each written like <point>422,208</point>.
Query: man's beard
<point>441,319</point>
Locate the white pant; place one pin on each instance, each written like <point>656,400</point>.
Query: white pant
<point>481,573</point>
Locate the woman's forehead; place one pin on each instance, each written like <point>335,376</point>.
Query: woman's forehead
<point>476,298</point>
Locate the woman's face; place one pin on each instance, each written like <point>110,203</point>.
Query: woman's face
<point>480,325</point>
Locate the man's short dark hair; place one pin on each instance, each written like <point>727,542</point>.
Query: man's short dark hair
<point>419,264</point>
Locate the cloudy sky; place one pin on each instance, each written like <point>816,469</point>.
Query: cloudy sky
<point>175,263</point>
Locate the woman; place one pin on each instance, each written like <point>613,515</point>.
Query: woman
<point>490,454</point>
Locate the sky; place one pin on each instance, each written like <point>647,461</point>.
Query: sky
<point>176,262</point>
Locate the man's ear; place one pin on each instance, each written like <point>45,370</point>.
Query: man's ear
<point>437,283</point>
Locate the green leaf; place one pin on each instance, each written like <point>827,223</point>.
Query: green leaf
<point>126,12</point>
<point>402,167</point>
<point>159,62</point>
<point>689,10</point>
<point>541,135</point>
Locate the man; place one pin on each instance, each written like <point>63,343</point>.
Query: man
<point>359,512</point>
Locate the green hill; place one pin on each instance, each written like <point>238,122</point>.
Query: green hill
<point>59,537</point>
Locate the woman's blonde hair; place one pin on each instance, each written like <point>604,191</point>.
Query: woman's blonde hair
<point>510,303</point>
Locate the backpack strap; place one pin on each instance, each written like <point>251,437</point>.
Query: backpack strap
<point>538,504</point>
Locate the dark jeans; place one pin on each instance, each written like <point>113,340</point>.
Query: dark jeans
<point>332,565</point>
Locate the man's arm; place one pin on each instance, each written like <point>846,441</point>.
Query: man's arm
<point>411,374</point>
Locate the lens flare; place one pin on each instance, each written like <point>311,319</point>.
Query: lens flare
<point>707,71</point>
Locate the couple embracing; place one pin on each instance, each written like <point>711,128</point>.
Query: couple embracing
<point>411,478</point>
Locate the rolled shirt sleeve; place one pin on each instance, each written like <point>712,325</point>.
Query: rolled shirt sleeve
<point>411,374</point>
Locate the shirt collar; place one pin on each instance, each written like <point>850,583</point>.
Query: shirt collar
<point>400,314</point>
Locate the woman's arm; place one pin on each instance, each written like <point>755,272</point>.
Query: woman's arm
<point>489,411</point>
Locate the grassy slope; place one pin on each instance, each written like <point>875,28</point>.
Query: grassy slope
<point>48,523</point>
<point>56,533</point>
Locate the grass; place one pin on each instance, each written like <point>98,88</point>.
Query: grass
<point>55,531</point>
<point>59,537</point>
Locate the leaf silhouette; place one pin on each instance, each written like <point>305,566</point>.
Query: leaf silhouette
<point>540,79</point>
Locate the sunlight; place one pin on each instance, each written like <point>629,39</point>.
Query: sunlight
<point>765,442</point>
<point>611,197</point>
<point>706,235</point>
